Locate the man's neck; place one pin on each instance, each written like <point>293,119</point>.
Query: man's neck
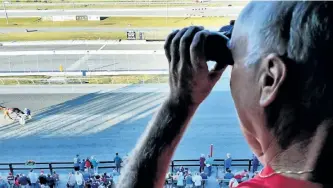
<point>301,156</point>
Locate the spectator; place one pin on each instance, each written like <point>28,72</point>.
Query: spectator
<point>94,163</point>
<point>105,178</point>
<point>77,159</point>
<point>228,175</point>
<point>42,178</point>
<point>88,164</point>
<point>197,179</point>
<point>79,179</point>
<point>255,163</point>
<point>188,180</point>
<point>17,184</point>
<point>3,183</point>
<point>228,162</point>
<point>181,169</point>
<point>24,181</point>
<point>180,180</point>
<point>86,175</point>
<point>204,176</point>
<point>233,183</point>
<point>50,181</point>
<point>10,179</point>
<point>71,180</point>
<point>202,163</point>
<point>118,162</point>
<point>209,163</point>
<point>76,166</point>
<point>82,165</point>
<point>98,181</point>
<point>33,178</point>
<point>245,178</point>
<point>56,178</point>
<point>95,184</point>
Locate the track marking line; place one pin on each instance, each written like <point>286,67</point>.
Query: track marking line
<point>82,60</point>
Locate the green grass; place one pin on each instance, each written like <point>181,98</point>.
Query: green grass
<point>8,80</point>
<point>129,79</point>
<point>119,22</point>
<point>36,36</point>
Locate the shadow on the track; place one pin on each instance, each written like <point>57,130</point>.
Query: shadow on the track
<point>88,114</point>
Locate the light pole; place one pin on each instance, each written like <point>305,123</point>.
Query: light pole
<point>4,7</point>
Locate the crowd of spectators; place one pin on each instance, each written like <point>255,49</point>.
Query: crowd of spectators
<point>184,178</point>
<point>32,180</point>
<point>85,174</point>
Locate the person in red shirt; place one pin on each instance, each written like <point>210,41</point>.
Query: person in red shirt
<point>88,164</point>
<point>282,87</point>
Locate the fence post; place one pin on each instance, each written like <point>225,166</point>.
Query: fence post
<point>172,166</point>
<point>11,168</point>
<point>51,169</point>
<point>250,164</point>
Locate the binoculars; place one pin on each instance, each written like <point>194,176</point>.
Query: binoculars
<point>217,49</point>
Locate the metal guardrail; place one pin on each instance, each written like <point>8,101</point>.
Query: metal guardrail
<point>111,164</point>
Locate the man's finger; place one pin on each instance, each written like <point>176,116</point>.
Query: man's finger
<point>167,44</point>
<point>175,49</point>
<point>185,44</point>
<point>197,50</point>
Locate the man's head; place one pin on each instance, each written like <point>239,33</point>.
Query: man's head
<point>116,154</point>
<point>282,81</point>
<point>228,155</point>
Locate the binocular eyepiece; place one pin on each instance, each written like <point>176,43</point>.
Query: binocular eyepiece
<point>216,49</point>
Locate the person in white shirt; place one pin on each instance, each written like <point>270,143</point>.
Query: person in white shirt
<point>79,179</point>
<point>33,178</point>
<point>197,179</point>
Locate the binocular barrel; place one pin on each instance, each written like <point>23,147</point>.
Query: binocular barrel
<point>216,49</point>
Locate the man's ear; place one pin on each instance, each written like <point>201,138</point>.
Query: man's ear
<point>272,75</point>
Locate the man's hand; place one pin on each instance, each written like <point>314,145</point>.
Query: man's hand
<point>189,75</point>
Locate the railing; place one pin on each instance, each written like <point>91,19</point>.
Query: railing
<point>111,164</point>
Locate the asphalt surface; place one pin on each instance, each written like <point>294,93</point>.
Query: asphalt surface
<point>83,62</point>
<point>110,120</point>
<point>152,12</point>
